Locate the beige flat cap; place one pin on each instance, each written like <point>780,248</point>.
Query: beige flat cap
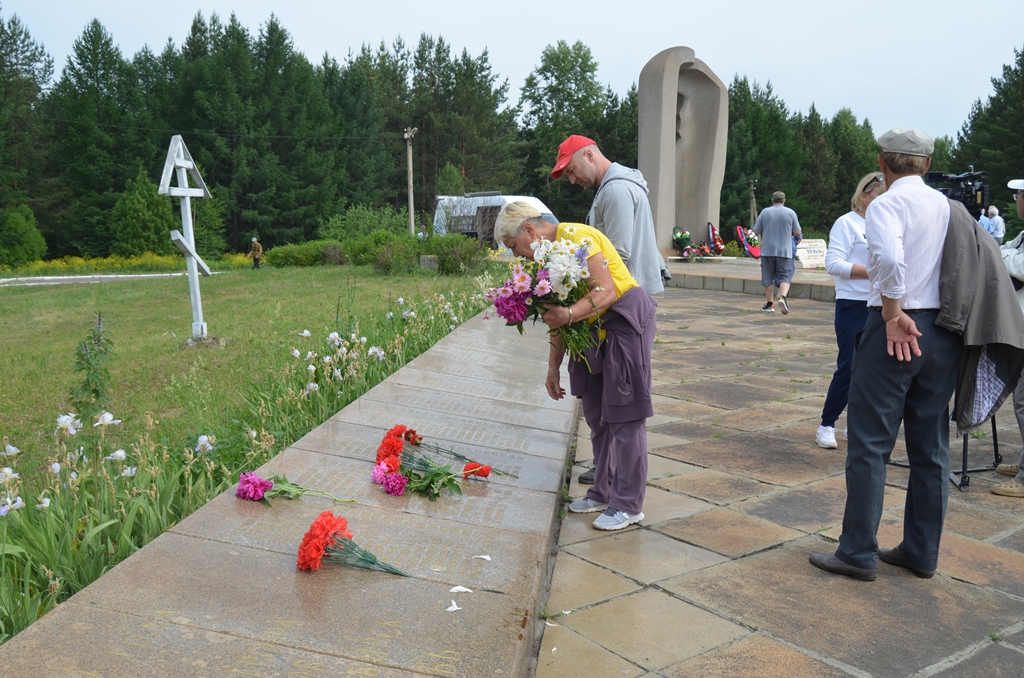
<point>906,140</point>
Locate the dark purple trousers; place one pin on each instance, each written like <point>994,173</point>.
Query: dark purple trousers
<point>616,395</point>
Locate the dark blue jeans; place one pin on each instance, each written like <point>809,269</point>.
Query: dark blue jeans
<point>884,392</point>
<point>850,318</point>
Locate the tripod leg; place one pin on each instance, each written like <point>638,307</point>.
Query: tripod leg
<point>995,444</point>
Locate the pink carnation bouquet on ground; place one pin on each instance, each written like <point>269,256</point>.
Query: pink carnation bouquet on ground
<point>251,487</point>
<point>557,275</point>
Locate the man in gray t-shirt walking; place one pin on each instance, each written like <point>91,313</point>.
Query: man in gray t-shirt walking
<point>779,229</point>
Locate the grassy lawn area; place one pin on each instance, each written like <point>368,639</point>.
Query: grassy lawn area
<point>257,316</point>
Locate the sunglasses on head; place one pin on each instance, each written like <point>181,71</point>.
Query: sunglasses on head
<point>877,179</point>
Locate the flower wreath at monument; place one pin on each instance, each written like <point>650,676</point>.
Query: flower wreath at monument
<point>400,465</point>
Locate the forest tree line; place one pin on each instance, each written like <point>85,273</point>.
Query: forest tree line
<point>287,144</point>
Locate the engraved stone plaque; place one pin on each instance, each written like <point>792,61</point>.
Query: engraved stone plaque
<point>427,548</point>
<point>355,615</point>
<point>457,428</point>
<point>75,641</point>
<point>472,406</point>
<point>360,442</point>
<point>482,502</point>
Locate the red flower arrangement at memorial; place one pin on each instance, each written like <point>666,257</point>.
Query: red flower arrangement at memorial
<point>253,488</point>
<point>400,466</point>
<point>329,539</point>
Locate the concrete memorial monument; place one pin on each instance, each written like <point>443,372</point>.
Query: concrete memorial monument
<point>180,162</point>
<point>684,124</point>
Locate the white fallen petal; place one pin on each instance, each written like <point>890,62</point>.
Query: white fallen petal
<point>453,607</point>
<point>483,557</point>
<point>460,589</point>
<point>553,649</point>
<point>436,569</point>
<point>566,611</point>
<point>548,622</point>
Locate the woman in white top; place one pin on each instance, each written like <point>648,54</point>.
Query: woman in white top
<point>847,260</point>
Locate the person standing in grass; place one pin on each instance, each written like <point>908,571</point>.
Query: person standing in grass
<point>847,260</point>
<point>779,229</point>
<point>255,252</point>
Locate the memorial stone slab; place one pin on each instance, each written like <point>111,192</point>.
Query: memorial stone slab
<point>522,416</point>
<point>520,388</point>
<point>75,641</point>
<point>510,346</point>
<point>352,614</point>
<point>432,549</point>
<point>481,503</point>
<point>360,442</point>
<point>457,428</point>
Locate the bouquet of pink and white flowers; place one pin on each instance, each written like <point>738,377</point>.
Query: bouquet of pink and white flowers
<point>557,275</point>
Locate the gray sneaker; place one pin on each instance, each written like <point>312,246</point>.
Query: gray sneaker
<point>586,478</point>
<point>586,505</point>
<point>613,519</point>
<point>783,306</point>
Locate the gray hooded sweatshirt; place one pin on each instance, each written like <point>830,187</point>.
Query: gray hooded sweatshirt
<point>622,212</point>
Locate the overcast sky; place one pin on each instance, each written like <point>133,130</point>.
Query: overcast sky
<point>918,63</point>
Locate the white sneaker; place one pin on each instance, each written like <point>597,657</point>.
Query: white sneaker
<point>586,505</point>
<point>826,437</point>
<point>616,520</point>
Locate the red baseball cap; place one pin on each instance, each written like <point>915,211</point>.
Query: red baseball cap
<point>565,151</point>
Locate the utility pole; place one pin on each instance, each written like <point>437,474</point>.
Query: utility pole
<point>753,203</point>
<point>410,132</point>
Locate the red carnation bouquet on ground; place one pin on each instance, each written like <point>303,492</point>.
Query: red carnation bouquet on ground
<point>399,466</point>
<point>329,539</point>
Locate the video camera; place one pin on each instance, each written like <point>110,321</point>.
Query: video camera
<point>967,188</point>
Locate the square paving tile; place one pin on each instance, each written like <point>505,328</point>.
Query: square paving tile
<point>653,629</point>
<point>695,431</point>
<point>755,655</point>
<point>681,409</point>
<point>644,555</point>
<point>718,394</point>
<point>715,486</point>
<point>764,458</point>
<point>779,592</point>
<point>811,507</point>
<point>577,527</point>
<point>563,653</point>
<point>659,467</point>
<point>772,416</point>
<point>728,532</point>
<point>577,583</point>
<point>660,506</point>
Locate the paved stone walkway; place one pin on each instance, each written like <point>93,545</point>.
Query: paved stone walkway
<point>715,581</point>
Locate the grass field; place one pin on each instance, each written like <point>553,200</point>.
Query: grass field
<point>257,317</point>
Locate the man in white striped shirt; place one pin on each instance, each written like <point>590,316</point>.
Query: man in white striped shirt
<point>904,370</point>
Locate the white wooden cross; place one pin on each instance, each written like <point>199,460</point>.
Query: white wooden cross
<point>179,159</point>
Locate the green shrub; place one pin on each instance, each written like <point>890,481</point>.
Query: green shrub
<point>732,249</point>
<point>20,239</point>
<point>310,253</point>
<point>458,255</point>
<point>360,220</point>
<point>387,252</point>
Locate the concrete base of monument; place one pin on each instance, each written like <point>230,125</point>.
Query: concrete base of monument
<point>220,594</point>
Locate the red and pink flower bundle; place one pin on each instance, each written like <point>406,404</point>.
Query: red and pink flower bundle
<point>401,465</point>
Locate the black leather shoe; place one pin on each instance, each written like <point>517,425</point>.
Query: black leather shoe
<point>587,477</point>
<point>830,563</point>
<point>895,557</point>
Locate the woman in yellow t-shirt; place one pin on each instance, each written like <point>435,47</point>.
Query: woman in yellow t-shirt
<point>616,391</point>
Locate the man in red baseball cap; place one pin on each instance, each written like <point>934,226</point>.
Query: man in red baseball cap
<point>620,210</point>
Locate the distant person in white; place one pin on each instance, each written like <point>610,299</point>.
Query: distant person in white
<point>998,225</point>
<point>847,260</point>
